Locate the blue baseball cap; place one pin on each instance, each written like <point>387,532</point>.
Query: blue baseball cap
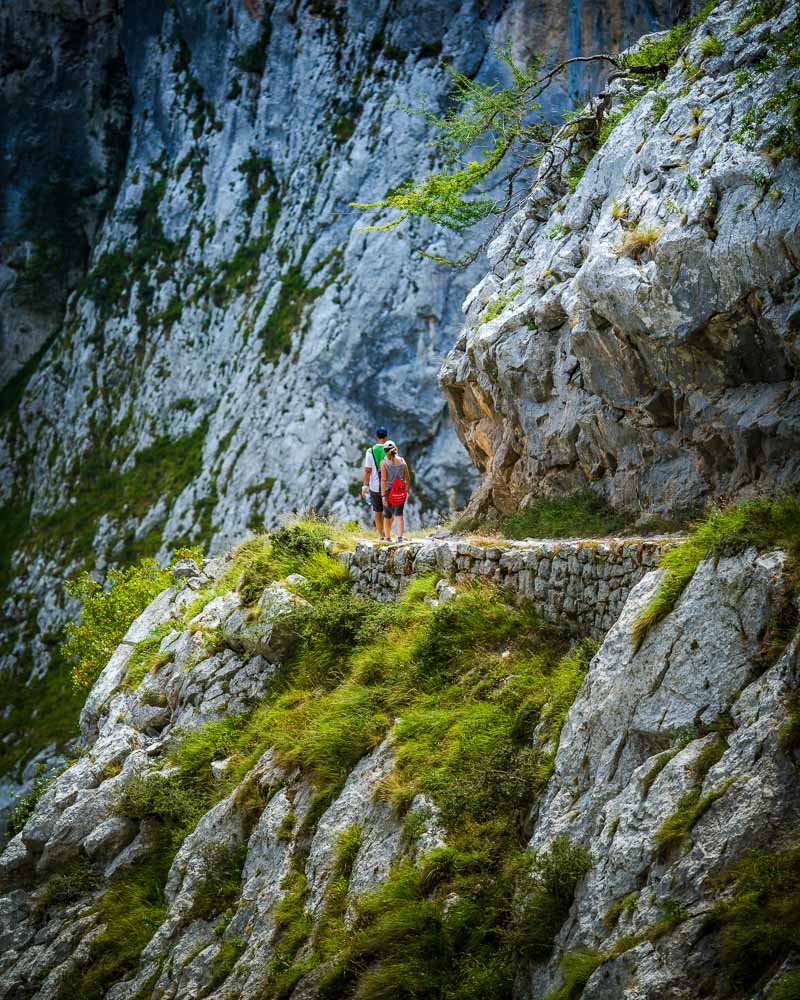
<point>381,432</point>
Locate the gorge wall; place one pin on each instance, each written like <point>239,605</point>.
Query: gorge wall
<point>638,330</point>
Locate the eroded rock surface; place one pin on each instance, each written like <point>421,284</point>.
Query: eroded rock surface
<point>659,376</point>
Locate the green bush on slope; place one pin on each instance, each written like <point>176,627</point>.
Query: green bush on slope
<point>470,680</point>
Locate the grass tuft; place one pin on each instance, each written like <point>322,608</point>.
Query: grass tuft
<point>759,920</point>
<point>677,826</point>
<point>636,241</point>
<point>578,515</point>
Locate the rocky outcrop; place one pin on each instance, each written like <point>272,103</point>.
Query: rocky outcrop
<point>692,711</point>
<point>583,584</point>
<point>638,334</point>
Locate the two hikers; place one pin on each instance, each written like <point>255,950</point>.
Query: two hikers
<point>386,484</point>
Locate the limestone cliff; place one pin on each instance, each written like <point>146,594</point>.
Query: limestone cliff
<point>637,332</point>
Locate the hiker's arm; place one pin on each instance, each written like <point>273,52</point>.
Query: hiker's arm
<point>367,472</point>
<point>383,479</point>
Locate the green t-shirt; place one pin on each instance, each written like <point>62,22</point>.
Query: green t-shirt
<point>378,455</point>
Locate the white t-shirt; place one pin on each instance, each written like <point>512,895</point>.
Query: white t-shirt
<point>374,475</point>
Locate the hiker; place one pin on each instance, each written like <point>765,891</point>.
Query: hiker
<point>394,489</point>
<point>372,479</point>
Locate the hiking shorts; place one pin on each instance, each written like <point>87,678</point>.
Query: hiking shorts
<point>377,501</point>
<point>393,510</point>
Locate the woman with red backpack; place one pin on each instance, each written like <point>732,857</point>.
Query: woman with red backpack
<point>394,489</point>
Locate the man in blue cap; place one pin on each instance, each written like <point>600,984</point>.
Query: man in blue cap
<point>372,478</point>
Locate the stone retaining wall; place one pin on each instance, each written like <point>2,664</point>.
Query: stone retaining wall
<point>581,582</point>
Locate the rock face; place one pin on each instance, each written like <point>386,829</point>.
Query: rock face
<point>662,373</point>
<point>64,121</point>
<point>630,751</point>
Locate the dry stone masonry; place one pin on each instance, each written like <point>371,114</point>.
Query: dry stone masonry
<point>584,582</point>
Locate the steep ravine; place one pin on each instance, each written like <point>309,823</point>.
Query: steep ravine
<point>329,820</point>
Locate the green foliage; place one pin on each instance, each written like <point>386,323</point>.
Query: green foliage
<point>229,953</point>
<point>611,121</point>
<point>544,907</point>
<point>766,524</point>
<point>710,46</point>
<point>789,736</point>
<point>130,911</point>
<point>115,273</point>
<point>261,180</point>
<point>757,12</point>
<point>578,515</point>
<point>576,967</point>
<point>575,172</point>
<point>63,888</point>
<point>106,615</point>
<point>147,657</point>
<point>786,988</point>
<point>41,712</point>
<point>658,766</point>
<point>759,918</point>
<point>658,107</point>
<point>220,883</point>
<point>677,826</point>
<point>499,303</point>
<point>627,904</point>
<point>26,805</point>
<point>254,58</point>
<point>294,295</point>
<point>161,470</point>
<point>667,50</point>
<point>165,797</point>
<point>783,54</point>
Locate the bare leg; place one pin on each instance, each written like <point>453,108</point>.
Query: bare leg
<point>379,522</point>
<point>387,527</point>
<point>401,523</point>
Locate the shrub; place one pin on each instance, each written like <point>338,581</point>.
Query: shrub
<point>759,921</point>
<point>106,615</point>
<point>544,907</point>
<point>220,883</point>
<point>578,515</point>
<point>64,887</point>
<point>159,796</point>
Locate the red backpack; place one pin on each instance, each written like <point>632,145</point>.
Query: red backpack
<point>397,491</point>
